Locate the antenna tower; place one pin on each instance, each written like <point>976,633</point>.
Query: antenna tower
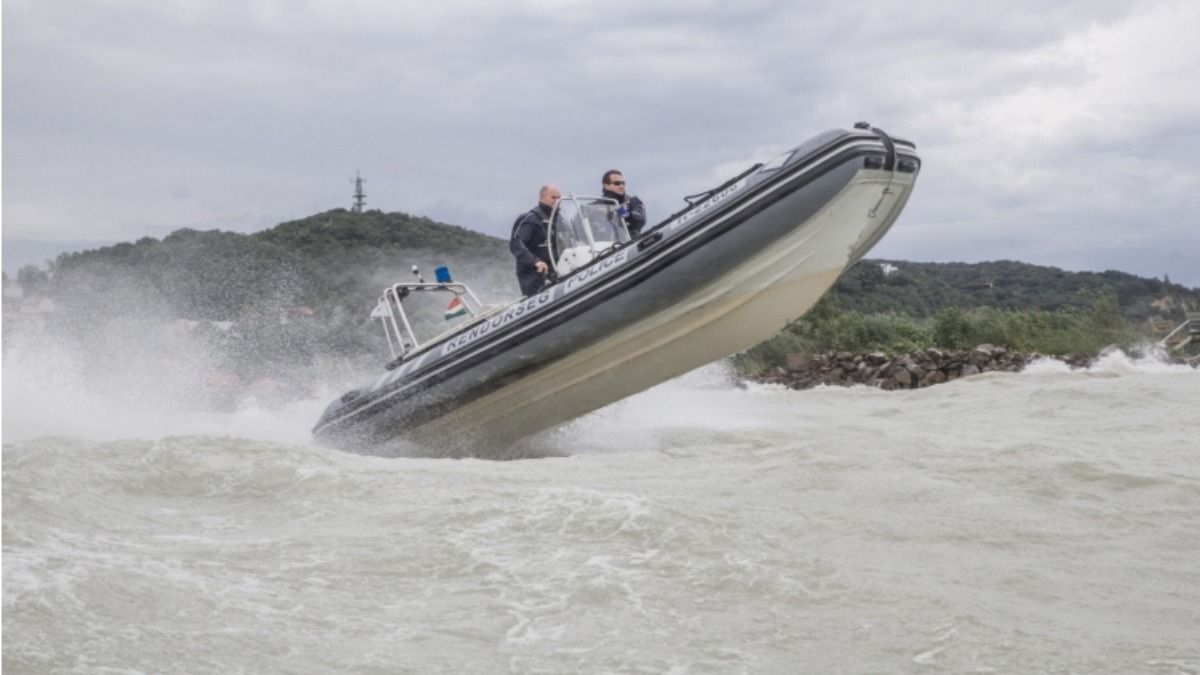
<point>360,197</point>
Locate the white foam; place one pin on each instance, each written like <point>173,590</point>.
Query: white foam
<point>1155,360</point>
<point>1046,365</point>
<point>1114,363</point>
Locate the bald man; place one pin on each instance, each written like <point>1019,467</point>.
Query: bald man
<point>528,242</point>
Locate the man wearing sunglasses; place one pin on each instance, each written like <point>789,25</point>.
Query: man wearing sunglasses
<point>630,208</point>
<point>528,242</point>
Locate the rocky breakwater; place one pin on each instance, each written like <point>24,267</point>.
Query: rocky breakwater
<point>903,371</point>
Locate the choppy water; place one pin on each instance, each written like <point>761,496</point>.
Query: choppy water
<point>1042,522</point>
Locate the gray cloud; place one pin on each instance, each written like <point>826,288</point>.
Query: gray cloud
<point>1056,135</point>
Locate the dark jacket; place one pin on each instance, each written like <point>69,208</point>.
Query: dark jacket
<point>528,245</point>
<point>632,210</point>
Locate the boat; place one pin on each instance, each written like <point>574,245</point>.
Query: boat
<point>724,273</point>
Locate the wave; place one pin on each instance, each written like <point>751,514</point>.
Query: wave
<point>1115,362</point>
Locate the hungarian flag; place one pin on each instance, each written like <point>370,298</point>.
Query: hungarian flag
<point>455,308</point>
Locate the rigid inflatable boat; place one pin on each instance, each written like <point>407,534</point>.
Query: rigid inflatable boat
<point>624,314</point>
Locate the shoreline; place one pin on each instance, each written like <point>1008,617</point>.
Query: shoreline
<point>911,370</point>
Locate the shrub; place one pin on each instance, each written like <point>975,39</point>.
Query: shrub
<point>1097,324</point>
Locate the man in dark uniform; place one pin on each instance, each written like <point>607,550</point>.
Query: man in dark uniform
<point>528,242</point>
<point>631,209</point>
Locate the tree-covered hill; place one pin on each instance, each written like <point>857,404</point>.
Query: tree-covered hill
<point>338,232</point>
<point>260,304</point>
<point>337,261</point>
<point>921,290</point>
<point>333,263</point>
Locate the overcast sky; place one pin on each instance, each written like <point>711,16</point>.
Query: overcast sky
<point>1065,134</point>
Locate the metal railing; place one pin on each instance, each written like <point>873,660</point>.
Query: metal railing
<point>398,330</point>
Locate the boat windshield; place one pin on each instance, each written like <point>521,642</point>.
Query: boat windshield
<point>583,228</point>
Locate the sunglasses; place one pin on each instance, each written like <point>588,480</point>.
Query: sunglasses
<point>617,182</point>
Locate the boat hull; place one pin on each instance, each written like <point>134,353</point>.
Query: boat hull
<point>744,307</point>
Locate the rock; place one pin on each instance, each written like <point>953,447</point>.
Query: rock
<point>980,355</point>
<point>917,373</point>
<point>920,368</point>
<point>796,361</point>
<point>1078,360</point>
